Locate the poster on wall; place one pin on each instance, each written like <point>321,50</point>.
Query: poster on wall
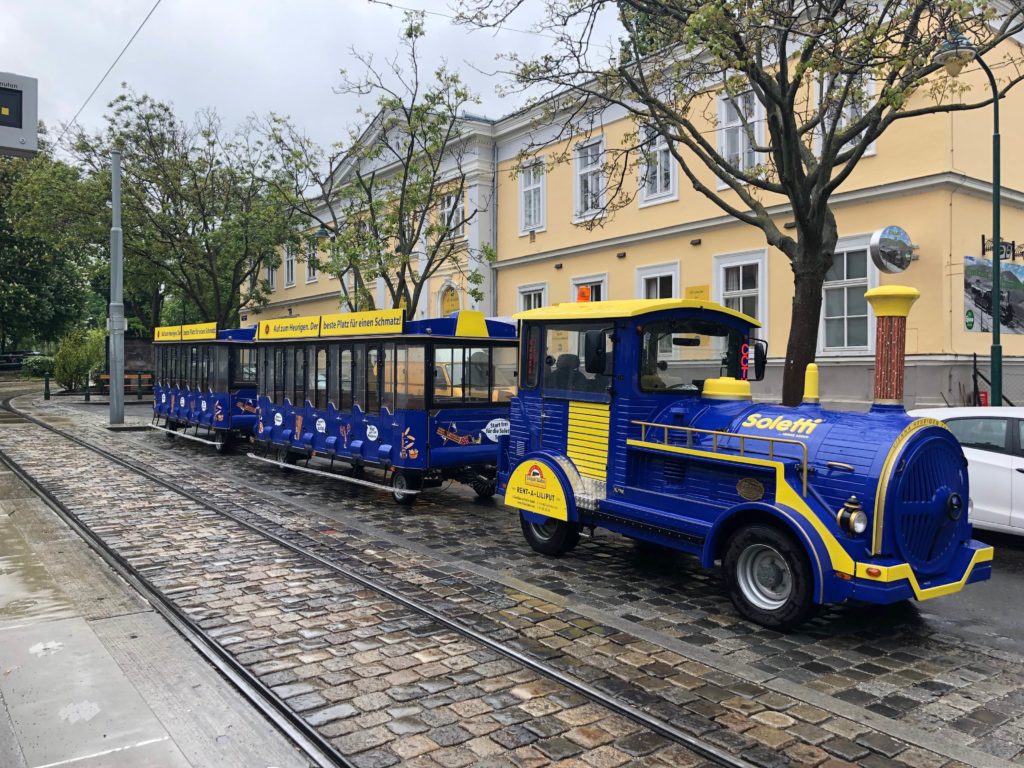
<point>978,301</point>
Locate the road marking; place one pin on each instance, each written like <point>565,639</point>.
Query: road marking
<point>145,743</point>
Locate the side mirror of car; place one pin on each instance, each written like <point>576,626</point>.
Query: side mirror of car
<point>595,354</point>
<point>760,358</point>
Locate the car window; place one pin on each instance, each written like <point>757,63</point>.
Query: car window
<point>986,434</point>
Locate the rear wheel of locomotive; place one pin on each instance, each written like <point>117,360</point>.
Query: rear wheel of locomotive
<point>552,537</point>
<point>401,483</point>
<point>768,577</point>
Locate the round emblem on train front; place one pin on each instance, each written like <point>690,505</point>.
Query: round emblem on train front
<point>750,489</point>
<point>278,419</point>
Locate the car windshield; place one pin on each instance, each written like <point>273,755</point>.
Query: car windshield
<point>678,355</point>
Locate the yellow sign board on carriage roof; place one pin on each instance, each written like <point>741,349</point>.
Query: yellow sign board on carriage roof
<point>199,332</point>
<point>167,333</point>
<point>304,327</point>
<point>362,323</point>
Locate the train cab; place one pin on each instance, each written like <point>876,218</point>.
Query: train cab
<point>425,401</point>
<point>638,417</point>
<point>205,383</point>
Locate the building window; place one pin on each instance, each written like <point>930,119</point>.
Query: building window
<point>857,102</point>
<point>289,266</point>
<point>738,121</point>
<point>532,202</point>
<point>589,179</point>
<point>311,263</point>
<point>532,296</point>
<point>741,283</point>
<point>271,277</point>
<point>453,211</point>
<point>845,308</point>
<point>449,300</point>
<point>657,168</point>
<point>659,281</point>
<point>594,288</point>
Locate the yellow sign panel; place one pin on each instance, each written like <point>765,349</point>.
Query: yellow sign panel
<point>535,487</point>
<point>289,328</point>
<point>362,323</point>
<point>698,292</point>
<point>167,333</point>
<point>199,332</point>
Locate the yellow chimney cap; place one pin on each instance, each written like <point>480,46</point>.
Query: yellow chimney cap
<point>726,388</point>
<point>892,300</point>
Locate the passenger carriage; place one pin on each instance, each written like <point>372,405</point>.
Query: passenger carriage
<point>425,401</point>
<point>205,383</point>
<point>637,417</point>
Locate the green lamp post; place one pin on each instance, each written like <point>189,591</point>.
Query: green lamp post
<point>954,54</point>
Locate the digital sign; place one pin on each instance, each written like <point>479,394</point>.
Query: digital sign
<point>10,108</point>
<point>19,115</point>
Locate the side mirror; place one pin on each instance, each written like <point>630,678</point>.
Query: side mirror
<point>594,351</point>
<point>760,358</point>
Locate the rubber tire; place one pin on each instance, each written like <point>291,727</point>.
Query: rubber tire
<point>563,536</point>
<point>409,480</point>
<point>800,606</point>
<point>484,490</point>
<point>285,456</point>
<point>223,442</point>
<point>170,425</point>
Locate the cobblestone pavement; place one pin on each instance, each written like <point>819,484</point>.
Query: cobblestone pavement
<point>874,687</point>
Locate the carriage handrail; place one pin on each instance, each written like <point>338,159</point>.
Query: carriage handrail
<point>644,425</point>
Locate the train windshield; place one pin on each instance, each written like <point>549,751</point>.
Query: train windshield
<point>677,355</point>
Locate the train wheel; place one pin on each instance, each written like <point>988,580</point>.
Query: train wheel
<point>769,578</point>
<point>402,483</point>
<point>222,442</point>
<point>552,537</point>
<point>285,456</point>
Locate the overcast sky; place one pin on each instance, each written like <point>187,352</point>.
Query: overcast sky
<point>238,56</point>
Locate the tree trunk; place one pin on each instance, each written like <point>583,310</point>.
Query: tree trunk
<point>803,331</point>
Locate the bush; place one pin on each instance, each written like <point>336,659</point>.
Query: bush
<point>35,366</point>
<point>79,354</point>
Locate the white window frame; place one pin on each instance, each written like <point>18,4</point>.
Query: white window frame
<point>600,278</point>
<point>653,272</point>
<point>871,150</point>
<point>272,277</point>
<point>289,267</point>
<point>578,173</point>
<point>440,297</point>
<point>449,202</point>
<point>311,271</point>
<point>659,149</point>
<point>853,243</point>
<point>760,258</point>
<point>529,289</point>
<point>724,127</point>
<point>540,186</point>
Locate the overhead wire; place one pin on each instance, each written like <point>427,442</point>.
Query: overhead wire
<point>110,69</point>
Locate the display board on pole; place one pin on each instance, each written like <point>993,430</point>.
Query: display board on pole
<point>19,115</point>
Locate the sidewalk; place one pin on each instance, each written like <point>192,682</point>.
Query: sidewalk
<point>91,676</point>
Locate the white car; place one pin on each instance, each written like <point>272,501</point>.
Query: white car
<point>993,441</point>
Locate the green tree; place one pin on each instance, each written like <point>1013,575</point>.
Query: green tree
<point>392,201</point>
<point>198,213</point>
<point>812,84</point>
<point>42,283</point>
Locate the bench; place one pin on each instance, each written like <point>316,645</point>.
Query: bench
<point>135,383</point>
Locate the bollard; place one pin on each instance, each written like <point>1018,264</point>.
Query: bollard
<point>46,385</point>
<point>87,393</point>
<point>138,386</point>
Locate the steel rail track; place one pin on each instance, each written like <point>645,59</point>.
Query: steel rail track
<point>656,724</point>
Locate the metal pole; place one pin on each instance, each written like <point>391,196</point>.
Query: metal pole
<point>116,316</point>
<point>997,247</point>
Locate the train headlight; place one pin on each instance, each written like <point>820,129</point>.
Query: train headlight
<point>852,518</point>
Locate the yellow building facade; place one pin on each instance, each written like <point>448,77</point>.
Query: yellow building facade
<point>930,175</point>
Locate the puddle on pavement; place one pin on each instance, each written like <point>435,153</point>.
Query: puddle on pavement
<point>27,591</point>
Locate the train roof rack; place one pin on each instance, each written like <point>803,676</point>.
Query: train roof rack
<point>593,310</point>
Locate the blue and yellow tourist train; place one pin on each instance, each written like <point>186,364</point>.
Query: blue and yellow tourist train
<point>637,416</point>
<point>425,401</point>
<point>205,380</point>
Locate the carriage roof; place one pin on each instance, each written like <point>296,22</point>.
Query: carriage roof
<point>600,310</point>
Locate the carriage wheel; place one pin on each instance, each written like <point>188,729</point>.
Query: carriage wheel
<point>401,483</point>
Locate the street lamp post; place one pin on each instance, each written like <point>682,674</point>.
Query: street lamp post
<point>953,54</point>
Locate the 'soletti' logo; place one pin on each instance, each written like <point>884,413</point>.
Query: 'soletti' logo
<point>782,424</point>
<point>535,475</point>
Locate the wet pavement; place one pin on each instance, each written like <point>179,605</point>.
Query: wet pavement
<point>917,684</point>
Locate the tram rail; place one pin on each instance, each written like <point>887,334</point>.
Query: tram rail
<point>312,743</point>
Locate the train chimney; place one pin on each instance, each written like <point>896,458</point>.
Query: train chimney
<point>892,305</point>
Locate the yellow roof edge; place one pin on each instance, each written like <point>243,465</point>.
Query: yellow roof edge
<point>586,310</point>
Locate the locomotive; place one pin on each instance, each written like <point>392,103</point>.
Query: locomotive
<point>636,416</point>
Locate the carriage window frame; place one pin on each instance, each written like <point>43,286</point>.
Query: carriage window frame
<point>468,347</point>
<point>241,358</point>
<point>218,371</point>
<point>279,374</point>
<point>321,365</point>
<point>373,378</point>
<point>411,390</point>
<point>345,382</point>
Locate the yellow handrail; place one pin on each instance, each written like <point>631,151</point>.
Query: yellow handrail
<point>715,434</point>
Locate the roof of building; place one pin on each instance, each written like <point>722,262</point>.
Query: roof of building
<point>587,310</point>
